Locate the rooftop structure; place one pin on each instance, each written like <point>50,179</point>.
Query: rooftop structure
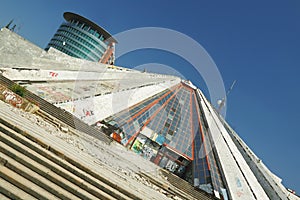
<point>82,38</point>
<point>162,118</point>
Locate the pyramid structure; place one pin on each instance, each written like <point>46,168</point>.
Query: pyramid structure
<point>168,129</point>
<point>160,117</point>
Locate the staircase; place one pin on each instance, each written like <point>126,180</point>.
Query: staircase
<point>29,171</point>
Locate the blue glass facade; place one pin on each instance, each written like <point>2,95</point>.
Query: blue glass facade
<point>170,130</point>
<point>81,38</point>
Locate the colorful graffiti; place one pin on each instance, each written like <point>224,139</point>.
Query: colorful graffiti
<point>87,113</point>
<point>51,94</point>
<point>12,98</point>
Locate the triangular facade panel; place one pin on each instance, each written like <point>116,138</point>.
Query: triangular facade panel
<point>168,130</point>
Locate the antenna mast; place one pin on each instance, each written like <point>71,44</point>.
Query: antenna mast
<point>221,102</point>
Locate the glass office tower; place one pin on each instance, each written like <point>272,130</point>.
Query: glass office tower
<point>82,38</point>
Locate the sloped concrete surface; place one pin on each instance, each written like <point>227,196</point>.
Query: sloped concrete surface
<point>36,156</point>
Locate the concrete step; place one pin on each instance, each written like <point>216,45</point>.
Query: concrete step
<point>24,184</point>
<point>2,197</point>
<point>81,160</point>
<point>44,167</point>
<point>36,178</point>
<point>185,187</point>
<point>64,164</point>
<point>74,158</point>
<point>10,191</point>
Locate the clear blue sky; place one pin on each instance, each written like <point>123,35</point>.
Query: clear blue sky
<point>256,43</point>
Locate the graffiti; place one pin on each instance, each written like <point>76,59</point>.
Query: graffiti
<point>239,193</point>
<point>238,182</point>
<point>87,113</point>
<point>41,94</point>
<point>171,166</point>
<point>53,74</point>
<point>50,93</point>
<point>12,98</point>
<point>148,153</point>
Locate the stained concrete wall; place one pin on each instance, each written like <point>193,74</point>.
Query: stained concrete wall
<point>93,109</point>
